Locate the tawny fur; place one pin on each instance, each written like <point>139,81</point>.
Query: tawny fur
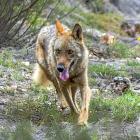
<point>40,78</point>
<point>57,46</point>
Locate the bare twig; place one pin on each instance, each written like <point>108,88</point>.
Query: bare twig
<point>96,53</point>
<point>70,11</point>
<point>31,5</point>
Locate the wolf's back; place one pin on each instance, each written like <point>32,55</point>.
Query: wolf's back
<point>43,41</point>
<point>47,33</point>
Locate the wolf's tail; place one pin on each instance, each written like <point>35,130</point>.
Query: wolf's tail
<point>39,77</point>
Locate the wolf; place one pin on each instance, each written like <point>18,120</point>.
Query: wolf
<point>62,59</point>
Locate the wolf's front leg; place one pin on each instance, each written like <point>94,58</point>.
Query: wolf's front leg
<point>85,95</point>
<point>67,94</point>
<point>73,92</point>
<point>63,103</point>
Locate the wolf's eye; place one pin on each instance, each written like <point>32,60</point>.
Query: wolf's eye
<point>57,51</point>
<point>70,51</point>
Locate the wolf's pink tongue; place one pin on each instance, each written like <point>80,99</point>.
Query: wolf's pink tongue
<point>64,75</point>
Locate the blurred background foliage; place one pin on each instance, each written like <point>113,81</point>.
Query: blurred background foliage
<point>21,18</point>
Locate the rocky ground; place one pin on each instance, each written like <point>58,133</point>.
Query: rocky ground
<point>17,87</point>
<point>30,112</point>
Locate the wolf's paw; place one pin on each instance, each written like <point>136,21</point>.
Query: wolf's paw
<point>63,105</point>
<point>82,120</point>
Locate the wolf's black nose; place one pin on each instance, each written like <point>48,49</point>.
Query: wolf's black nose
<point>60,67</point>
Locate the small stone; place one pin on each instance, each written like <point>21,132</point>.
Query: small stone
<point>26,63</point>
<point>125,79</point>
<point>95,74</point>
<point>49,103</point>
<point>138,59</point>
<point>118,79</point>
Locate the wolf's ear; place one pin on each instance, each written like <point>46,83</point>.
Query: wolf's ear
<point>59,27</point>
<point>77,32</point>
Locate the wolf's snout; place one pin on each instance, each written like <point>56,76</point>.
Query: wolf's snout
<point>60,67</point>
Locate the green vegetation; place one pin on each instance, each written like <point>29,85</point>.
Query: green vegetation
<point>1,74</point>
<point>121,50</point>
<point>132,63</point>
<point>39,89</point>
<point>123,108</point>
<point>94,137</point>
<point>40,107</point>
<point>7,60</point>
<point>36,107</point>
<point>105,70</point>
<point>106,21</point>
<point>42,110</point>
<point>134,67</point>
<point>92,80</point>
<point>89,20</point>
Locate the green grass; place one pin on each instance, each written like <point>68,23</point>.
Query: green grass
<point>134,67</point>
<point>41,110</point>
<point>40,104</point>
<point>126,107</point>
<point>1,74</point>
<point>121,50</point>
<point>123,108</point>
<point>94,137</point>
<point>89,20</point>
<point>92,80</point>
<point>106,21</point>
<point>16,76</point>
<point>39,89</point>
<point>105,70</point>
<point>132,63</point>
<point>23,132</point>
<point>135,72</point>
<point>7,60</point>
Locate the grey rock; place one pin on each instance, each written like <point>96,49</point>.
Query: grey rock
<point>118,79</point>
<point>125,79</point>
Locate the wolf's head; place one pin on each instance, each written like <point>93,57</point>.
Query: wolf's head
<point>68,49</point>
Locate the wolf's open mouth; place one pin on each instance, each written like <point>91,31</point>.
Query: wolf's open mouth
<point>65,74</point>
<point>71,65</point>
